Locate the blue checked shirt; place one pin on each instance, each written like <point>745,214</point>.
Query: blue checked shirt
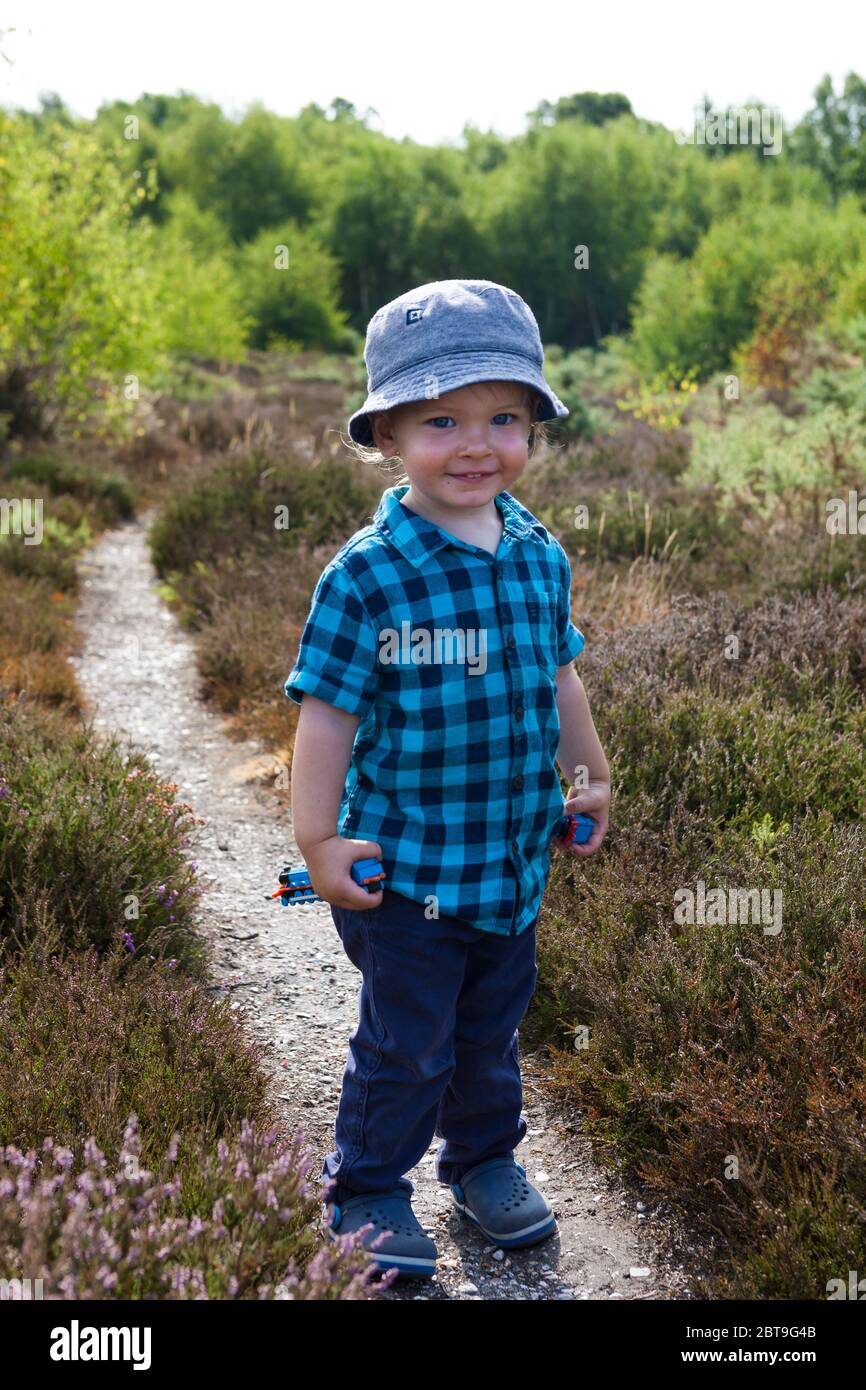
<point>453,766</point>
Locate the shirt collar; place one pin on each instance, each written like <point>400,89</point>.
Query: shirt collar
<point>416,538</point>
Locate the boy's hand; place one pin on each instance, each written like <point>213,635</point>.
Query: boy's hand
<point>594,801</point>
<point>329,864</point>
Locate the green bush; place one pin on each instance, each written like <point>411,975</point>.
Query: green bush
<point>298,302</point>
<point>763,458</point>
<point>696,313</point>
<point>78,304</point>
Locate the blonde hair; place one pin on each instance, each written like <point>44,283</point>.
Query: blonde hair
<point>369,454</point>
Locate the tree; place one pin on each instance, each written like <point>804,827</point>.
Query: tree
<point>832,136</point>
<point>593,108</point>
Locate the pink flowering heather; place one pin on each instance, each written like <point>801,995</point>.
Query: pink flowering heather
<point>96,1234</point>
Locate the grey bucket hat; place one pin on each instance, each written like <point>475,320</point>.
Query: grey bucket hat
<point>447,334</point>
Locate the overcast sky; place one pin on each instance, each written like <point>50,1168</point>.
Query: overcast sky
<point>428,69</point>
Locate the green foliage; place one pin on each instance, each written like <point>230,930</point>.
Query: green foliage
<point>203,301</point>
<point>762,457</point>
<point>528,219</point>
<point>697,313</point>
<point>673,327</point>
<point>78,309</point>
<point>92,299</point>
<point>290,289</point>
<point>832,135</point>
<point>149,236</point>
<point>844,387</point>
<point>250,173</point>
<point>574,376</point>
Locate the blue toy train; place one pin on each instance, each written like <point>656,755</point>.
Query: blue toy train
<point>295,885</point>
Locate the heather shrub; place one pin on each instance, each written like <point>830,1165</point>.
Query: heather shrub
<point>624,523</point>
<point>722,1062</point>
<point>109,494</point>
<point>779,728</point>
<point>233,510</point>
<point>792,649</point>
<point>75,501</point>
<point>91,839</point>
<point>722,1065</point>
<point>115,1231</point>
<point>35,622</point>
<point>87,1037</point>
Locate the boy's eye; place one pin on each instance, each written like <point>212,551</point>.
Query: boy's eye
<point>502,415</point>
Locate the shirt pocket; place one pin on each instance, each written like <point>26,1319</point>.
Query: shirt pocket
<point>541,616</point>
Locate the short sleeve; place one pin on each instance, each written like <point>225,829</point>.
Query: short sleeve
<point>338,656</point>
<point>571,640</point>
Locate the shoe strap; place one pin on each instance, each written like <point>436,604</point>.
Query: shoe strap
<point>489,1166</point>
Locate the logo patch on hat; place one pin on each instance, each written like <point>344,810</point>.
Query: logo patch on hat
<point>413,315</point>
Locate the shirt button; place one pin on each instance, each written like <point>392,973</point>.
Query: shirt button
<point>518,713</point>
<point>511,642</point>
<point>517,784</point>
<point>514,847</point>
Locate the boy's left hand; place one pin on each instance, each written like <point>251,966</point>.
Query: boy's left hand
<point>593,800</point>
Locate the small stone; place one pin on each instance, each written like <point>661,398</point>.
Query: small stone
<point>639,1272</point>
<point>499,1254</point>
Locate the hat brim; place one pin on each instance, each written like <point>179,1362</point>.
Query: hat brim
<point>420,382</point>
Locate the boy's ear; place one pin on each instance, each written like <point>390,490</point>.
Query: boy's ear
<point>382,429</point>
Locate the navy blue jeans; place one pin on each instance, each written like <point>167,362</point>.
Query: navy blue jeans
<point>435,1050</point>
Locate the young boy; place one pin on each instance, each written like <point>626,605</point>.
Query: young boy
<point>437,689</point>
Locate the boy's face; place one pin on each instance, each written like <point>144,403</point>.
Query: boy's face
<point>481,429</point>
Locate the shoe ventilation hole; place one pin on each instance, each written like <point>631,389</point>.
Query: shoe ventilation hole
<point>515,1200</point>
<point>398,1227</point>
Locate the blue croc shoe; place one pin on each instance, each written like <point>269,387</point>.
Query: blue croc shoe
<point>408,1246</point>
<point>504,1206</point>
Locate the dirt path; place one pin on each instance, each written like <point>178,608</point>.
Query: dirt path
<point>287,971</point>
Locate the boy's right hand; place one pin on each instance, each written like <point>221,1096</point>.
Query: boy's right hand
<point>329,864</point>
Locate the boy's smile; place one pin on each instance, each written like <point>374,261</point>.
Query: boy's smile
<point>460,449</point>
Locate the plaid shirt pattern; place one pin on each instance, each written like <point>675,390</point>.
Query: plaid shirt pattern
<point>453,766</point>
